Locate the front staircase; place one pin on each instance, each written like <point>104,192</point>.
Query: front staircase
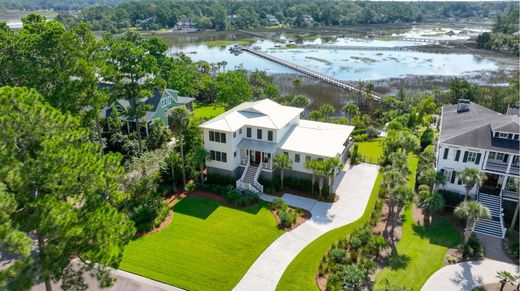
<point>249,178</point>
<point>495,225</point>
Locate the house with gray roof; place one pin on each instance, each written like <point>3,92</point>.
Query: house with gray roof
<point>478,137</point>
<point>158,105</point>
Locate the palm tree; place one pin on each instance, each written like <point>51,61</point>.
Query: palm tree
<point>399,197</point>
<point>327,110</point>
<point>392,177</point>
<point>428,177</point>
<point>369,87</point>
<point>506,277</point>
<point>332,165</point>
<point>471,211</point>
<point>311,165</point>
<point>282,162</point>
<point>350,109</point>
<point>430,202</point>
<point>200,156</point>
<point>321,172</point>
<point>171,161</point>
<point>179,121</point>
<point>471,177</point>
<point>409,141</point>
<point>297,82</point>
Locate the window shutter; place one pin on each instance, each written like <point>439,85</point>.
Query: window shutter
<point>465,159</point>
<point>506,156</point>
<point>496,134</point>
<point>477,161</point>
<point>446,151</point>
<point>442,172</point>
<point>453,176</point>
<point>457,156</point>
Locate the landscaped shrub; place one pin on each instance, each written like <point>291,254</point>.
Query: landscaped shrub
<point>427,137</point>
<point>291,183</point>
<point>361,137</point>
<point>451,199</point>
<point>190,186</point>
<point>355,157</point>
<point>287,218</point>
<point>278,204</point>
<point>241,197</point>
<point>472,248</point>
<point>220,179</point>
<point>145,213</point>
<point>338,255</point>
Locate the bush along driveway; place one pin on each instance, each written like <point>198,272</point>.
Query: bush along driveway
<point>206,247</point>
<point>354,186</point>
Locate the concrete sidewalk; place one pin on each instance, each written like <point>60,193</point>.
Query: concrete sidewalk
<point>468,275</point>
<point>353,185</point>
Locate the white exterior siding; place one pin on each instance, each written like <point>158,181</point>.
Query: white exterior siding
<point>220,147</point>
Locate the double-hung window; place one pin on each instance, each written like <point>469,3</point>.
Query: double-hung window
<point>258,134</point>
<point>248,132</point>
<point>270,135</point>
<point>472,157</point>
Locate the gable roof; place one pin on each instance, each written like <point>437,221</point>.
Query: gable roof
<point>474,128</point>
<point>153,101</point>
<point>263,113</point>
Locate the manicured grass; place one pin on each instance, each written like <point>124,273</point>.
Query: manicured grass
<point>301,273</point>
<point>207,111</point>
<point>371,150</point>
<point>206,247</point>
<point>419,253</point>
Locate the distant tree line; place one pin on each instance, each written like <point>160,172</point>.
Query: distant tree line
<point>227,14</point>
<point>505,34</point>
<point>57,5</point>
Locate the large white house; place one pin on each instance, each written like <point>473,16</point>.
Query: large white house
<point>477,137</point>
<point>243,141</point>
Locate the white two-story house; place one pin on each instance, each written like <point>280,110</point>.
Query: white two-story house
<point>243,141</point>
<point>477,137</point>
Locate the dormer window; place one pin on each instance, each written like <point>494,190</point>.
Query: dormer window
<point>502,135</point>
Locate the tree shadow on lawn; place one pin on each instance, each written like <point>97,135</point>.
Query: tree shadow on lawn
<point>441,232</point>
<point>202,208</point>
<point>397,261</point>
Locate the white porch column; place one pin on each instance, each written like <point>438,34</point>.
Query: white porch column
<point>484,161</point>
<point>510,162</point>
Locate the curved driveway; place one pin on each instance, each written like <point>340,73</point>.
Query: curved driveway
<point>467,275</point>
<point>353,186</point>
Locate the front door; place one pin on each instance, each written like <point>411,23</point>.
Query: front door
<point>258,156</point>
<point>491,180</point>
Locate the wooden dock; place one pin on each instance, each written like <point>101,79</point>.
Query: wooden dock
<point>320,76</point>
<point>353,47</point>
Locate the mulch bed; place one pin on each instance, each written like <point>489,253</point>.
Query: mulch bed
<point>495,287</point>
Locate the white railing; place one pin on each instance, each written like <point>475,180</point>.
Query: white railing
<point>502,216</point>
<point>245,171</point>
<point>268,165</point>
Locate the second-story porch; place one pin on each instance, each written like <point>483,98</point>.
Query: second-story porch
<point>502,185</point>
<point>502,163</point>
<point>255,152</point>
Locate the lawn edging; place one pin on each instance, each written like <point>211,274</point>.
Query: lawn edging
<point>301,273</point>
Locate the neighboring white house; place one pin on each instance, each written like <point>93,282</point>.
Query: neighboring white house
<point>477,137</point>
<point>243,141</point>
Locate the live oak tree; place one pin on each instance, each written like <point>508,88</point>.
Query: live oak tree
<point>233,88</point>
<point>66,194</point>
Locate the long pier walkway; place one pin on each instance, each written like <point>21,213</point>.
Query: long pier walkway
<point>320,76</point>
<point>353,47</point>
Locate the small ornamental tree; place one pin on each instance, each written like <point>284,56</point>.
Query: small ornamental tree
<point>471,177</point>
<point>282,162</point>
<point>471,211</point>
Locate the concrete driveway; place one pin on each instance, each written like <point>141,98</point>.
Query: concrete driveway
<point>353,185</point>
<point>468,275</point>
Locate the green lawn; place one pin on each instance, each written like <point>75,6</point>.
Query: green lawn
<point>420,252</point>
<point>301,273</point>
<point>371,150</point>
<point>207,111</point>
<point>206,247</point>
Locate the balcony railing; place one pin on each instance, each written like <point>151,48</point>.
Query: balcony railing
<point>512,195</point>
<point>496,167</point>
<point>515,170</point>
